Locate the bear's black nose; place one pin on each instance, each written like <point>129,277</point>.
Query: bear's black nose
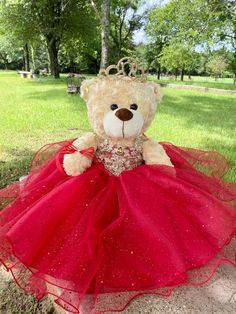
<point>124,114</point>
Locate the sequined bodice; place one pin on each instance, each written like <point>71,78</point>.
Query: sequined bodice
<point>118,158</point>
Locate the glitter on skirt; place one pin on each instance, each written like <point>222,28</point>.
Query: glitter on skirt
<point>96,241</point>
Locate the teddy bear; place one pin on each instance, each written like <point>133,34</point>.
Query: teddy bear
<point>112,215</point>
<point>120,110</point>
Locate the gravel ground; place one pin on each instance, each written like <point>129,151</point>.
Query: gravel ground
<point>14,301</point>
<point>218,297</point>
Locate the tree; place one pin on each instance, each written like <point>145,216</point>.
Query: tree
<point>17,29</point>
<point>225,26</point>
<point>166,24</point>
<point>217,65</point>
<point>54,20</point>
<point>175,21</point>
<point>125,20</point>
<point>103,16</point>
<point>177,58</point>
<point>105,22</point>
<point>8,52</point>
<point>214,22</point>
<point>78,55</point>
<point>116,27</point>
<point>51,20</point>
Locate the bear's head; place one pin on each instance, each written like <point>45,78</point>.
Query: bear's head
<point>120,106</point>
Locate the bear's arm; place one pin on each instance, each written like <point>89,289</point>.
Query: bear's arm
<point>76,163</point>
<point>154,154</point>
<point>86,141</point>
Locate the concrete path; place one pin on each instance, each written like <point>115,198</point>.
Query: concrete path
<point>200,88</point>
<point>218,297</point>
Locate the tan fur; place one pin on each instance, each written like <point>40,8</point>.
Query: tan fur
<point>85,141</point>
<point>76,163</point>
<point>99,94</point>
<point>154,153</point>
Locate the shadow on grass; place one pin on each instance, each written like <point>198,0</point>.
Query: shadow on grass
<point>58,95</point>
<point>50,80</point>
<point>12,170</point>
<point>228,151</point>
<point>201,110</point>
<point>209,113</point>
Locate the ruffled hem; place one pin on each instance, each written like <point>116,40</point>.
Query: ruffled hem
<point>41,285</point>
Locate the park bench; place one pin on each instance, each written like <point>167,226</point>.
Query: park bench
<point>25,74</point>
<point>34,73</point>
<point>44,72</point>
<point>74,81</point>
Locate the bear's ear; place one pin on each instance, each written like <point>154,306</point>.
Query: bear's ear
<point>157,90</point>
<point>85,88</point>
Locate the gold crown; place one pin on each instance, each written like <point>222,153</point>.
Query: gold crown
<point>126,67</point>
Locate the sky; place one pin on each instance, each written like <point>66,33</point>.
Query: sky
<point>140,35</point>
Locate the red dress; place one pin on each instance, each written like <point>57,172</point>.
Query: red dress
<point>102,238</point>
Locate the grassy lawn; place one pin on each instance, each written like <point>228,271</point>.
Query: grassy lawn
<point>33,113</point>
<point>221,83</point>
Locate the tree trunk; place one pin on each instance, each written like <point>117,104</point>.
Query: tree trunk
<point>26,57</point>
<point>182,75</point>
<point>53,48</point>
<point>159,72</point>
<point>23,63</point>
<point>5,61</point>
<point>176,74</point>
<point>105,24</point>
<point>234,65</point>
<point>33,56</point>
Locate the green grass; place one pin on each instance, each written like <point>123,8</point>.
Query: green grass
<point>221,83</point>
<point>33,113</point>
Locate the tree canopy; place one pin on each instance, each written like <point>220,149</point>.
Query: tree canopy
<point>183,36</point>
<point>199,25</point>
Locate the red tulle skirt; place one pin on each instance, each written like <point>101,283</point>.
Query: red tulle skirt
<point>96,241</point>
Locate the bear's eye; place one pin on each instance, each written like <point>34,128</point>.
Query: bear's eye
<point>134,107</point>
<point>114,107</point>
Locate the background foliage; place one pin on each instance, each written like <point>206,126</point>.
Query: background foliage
<point>193,37</point>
